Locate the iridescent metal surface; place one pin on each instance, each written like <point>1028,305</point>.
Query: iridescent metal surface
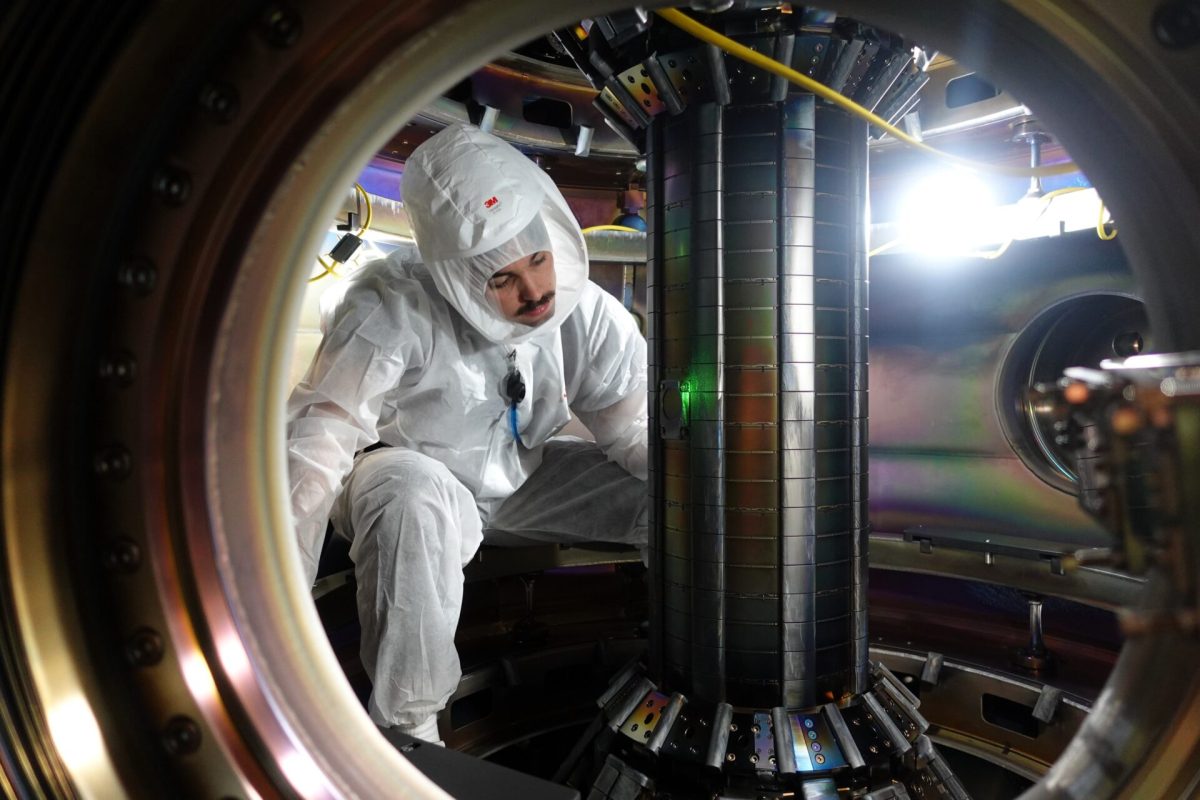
<point>758,253</point>
<point>941,337</point>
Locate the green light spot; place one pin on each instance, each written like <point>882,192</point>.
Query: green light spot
<point>685,399</point>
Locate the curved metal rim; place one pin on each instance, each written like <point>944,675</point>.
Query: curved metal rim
<point>1094,587</point>
<point>261,598</point>
<point>252,435</point>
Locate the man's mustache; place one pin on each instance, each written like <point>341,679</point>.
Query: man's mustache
<point>532,304</point>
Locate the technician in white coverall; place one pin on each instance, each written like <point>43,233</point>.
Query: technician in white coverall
<point>465,366</point>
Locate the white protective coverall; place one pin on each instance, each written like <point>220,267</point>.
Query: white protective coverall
<point>414,355</point>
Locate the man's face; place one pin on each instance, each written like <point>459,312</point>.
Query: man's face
<point>523,291</point>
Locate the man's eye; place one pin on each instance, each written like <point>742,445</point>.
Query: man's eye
<point>500,283</point>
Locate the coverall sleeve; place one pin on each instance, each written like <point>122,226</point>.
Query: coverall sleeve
<point>372,337</point>
<point>610,397</point>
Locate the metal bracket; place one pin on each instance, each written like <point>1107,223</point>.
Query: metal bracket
<point>1047,704</point>
<point>671,412</point>
<point>932,670</point>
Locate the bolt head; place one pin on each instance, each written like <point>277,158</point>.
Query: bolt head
<point>280,25</point>
<point>144,648</point>
<point>139,275</point>
<point>122,555</point>
<point>181,736</point>
<point>220,100</point>
<point>112,462</point>
<point>117,368</point>
<point>172,185</point>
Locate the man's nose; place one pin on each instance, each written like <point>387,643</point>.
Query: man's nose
<point>530,288</point>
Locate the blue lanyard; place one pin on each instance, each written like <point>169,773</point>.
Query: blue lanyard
<point>512,422</point>
<point>514,389</point>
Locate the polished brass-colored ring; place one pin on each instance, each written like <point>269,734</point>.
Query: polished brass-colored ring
<point>193,200</point>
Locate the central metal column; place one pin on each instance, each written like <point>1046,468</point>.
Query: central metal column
<point>758,334</point>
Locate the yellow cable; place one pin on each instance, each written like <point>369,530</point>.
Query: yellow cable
<point>366,226</point>
<point>330,267</point>
<point>704,33</point>
<point>611,228</point>
<point>1048,196</point>
<point>999,251</point>
<point>883,248</point>
<point>1045,206</point>
<point>1101,231</point>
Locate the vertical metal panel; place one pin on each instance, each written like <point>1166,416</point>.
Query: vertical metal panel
<point>689,254</point>
<point>752,366</point>
<point>655,305</point>
<point>707,411</point>
<point>797,444</point>
<point>859,332</point>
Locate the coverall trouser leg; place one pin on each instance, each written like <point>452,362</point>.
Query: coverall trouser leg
<point>413,526</point>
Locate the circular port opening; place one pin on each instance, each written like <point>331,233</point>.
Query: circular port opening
<point>1079,332</point>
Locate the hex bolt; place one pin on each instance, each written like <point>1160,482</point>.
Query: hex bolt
<point>220,100</point>
<point>181,736</point>
<point>138,274</point>
<point>1176,24</point>
<point>1034,657</point>
<point>118,368</point>
<point>144,648</point>
<point>112,462</point>
<point>528,582</point>
<point>122,555</point>
<point>1036,643</point>
<point>172,185</point>
<point>280,25</point>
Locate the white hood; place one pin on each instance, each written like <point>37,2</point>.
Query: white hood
<point>468,193</point>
